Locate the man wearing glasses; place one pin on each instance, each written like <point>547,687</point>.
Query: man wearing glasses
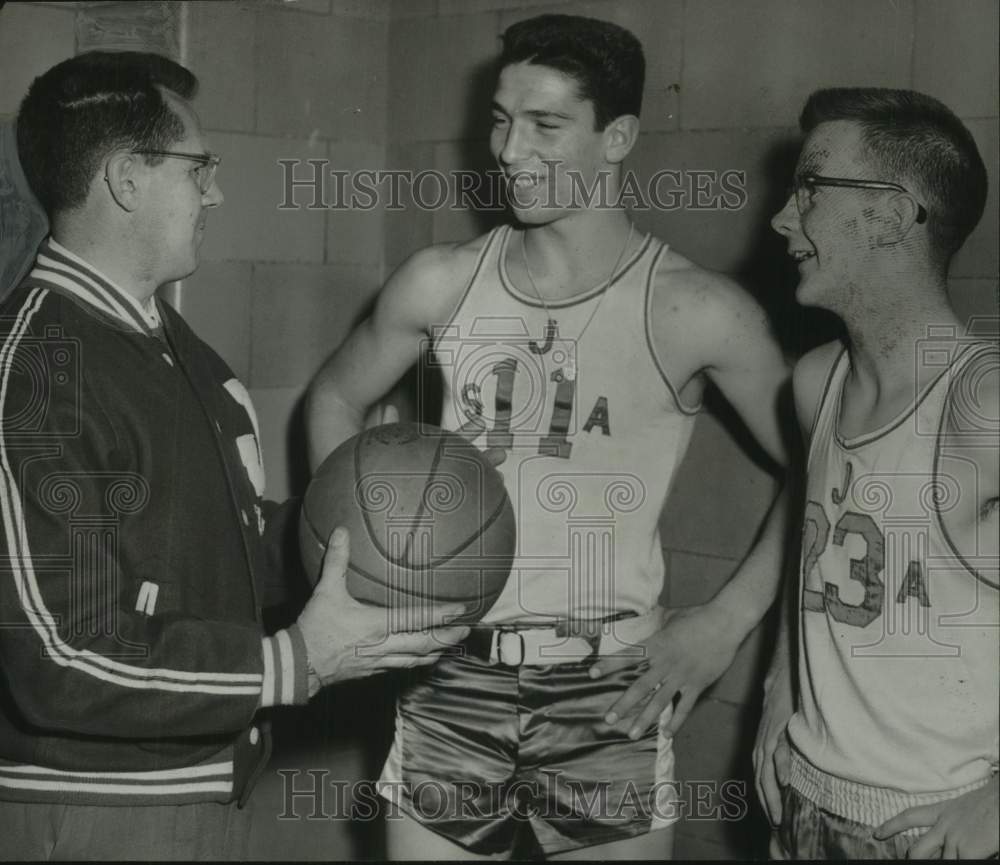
<point>891,749</point>
<point>137,548</point>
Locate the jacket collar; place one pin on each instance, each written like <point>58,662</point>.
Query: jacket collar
<point>64,272</point>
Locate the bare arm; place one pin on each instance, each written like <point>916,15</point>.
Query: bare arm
<point>969,454</point>
<point>420,294</point>
<point>742,358</point>
<point>808,380</point>
<point>771,748</point>
<point>746,372</point>
<point>732,339</point>
<point>703,324</point>
<point>345,639</point>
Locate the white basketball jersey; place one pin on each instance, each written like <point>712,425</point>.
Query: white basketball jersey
<point>592,429</point>
<point>898,641</point>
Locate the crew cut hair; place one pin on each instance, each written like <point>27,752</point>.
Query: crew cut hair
<point>914,140</point>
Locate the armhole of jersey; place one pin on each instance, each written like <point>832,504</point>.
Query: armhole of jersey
<point>821,403</point>
<point>647,316</point>
<point>937,460</point>
<point>439,331</point>
<point>893,425</point>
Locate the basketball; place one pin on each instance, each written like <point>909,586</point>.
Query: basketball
<point>428,515</point>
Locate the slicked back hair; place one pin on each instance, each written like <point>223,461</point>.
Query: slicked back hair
<point>85,108</point>
<point>604,59</point>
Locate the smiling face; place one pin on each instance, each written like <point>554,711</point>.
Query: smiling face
<point>174,211</point>
<point>836,234</point>
<point>542,137</point>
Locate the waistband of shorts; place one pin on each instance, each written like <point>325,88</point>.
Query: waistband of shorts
<point>563,641</point>
<point>859,802</point>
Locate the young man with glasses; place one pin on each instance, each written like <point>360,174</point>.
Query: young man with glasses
<point>137,548</point>
<point>891,749</point>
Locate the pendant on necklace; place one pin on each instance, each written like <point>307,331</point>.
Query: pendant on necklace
<point>569,368</point>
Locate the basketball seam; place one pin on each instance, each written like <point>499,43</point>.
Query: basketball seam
<point>445,557</point>
<point>421,508</point>
<point>438,596</point>
<point>477,534</point>
<point>312,529</point>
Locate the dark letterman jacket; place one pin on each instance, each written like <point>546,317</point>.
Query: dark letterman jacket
<point>132,657</point>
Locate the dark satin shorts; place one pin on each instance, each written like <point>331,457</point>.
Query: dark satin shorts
<point>809,832</point>
<point>482,750</point>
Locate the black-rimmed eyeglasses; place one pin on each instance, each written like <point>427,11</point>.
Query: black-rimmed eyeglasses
<point>208,163</point>
<point>804,187</point>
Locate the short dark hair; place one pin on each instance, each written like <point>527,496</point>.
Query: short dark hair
<point>604,59</point>
<point>914,140</point>
<point>88,106</point>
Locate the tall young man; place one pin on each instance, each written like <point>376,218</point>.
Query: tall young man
<point>578,348</point>
<point>892,749</point>
<point>136,546</point>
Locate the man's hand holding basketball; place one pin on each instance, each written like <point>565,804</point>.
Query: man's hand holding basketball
<point>346,639</point>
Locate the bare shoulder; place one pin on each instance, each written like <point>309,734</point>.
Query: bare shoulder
<point>974,397</point>
<point>968,455</point>
<point>809,378</point>
<point>429,284</point>
<point>708,312</point>
<point>703,299</point>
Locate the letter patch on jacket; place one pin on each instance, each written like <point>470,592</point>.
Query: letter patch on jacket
<point>248,443</point>
<point>146,602</point>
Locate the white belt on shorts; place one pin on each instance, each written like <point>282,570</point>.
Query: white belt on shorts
<point>514,645</point>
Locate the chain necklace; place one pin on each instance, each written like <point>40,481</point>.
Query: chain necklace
<point>570,367</point>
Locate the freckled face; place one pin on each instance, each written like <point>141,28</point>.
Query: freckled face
<point>835,233</point>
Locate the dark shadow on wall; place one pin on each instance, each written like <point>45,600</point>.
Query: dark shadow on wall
<point>475,146</point>
<point>771,277</point>
<point>22,222</point>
